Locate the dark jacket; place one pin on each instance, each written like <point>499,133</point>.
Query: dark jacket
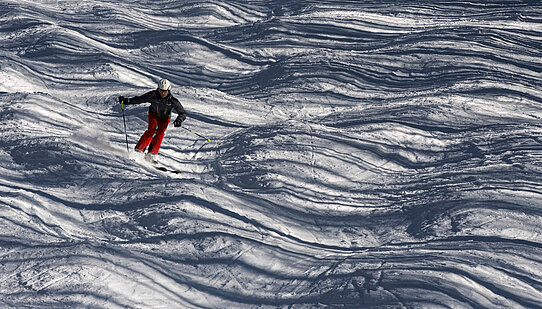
<point>160,107</point>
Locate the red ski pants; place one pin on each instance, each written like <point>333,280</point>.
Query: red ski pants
<point>154,134</point>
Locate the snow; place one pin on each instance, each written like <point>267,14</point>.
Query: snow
<point>384,155</point>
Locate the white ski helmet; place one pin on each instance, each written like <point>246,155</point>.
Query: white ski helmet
<point>164,84</point>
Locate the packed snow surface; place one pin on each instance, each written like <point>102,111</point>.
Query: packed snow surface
<point>364,154</point>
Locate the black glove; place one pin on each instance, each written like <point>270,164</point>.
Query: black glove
<point>179,120</point>
<point>123,100</point>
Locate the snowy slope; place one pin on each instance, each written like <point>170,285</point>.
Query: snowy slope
<point>363,154</point>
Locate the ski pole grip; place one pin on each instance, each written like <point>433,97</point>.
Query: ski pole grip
<point>121,100</point>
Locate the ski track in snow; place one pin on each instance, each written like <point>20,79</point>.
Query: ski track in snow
<point>374,155</point>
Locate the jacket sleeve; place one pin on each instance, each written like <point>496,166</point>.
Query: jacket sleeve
<point>180,109</point>
<point>140,99</point>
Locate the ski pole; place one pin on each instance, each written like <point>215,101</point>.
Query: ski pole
<point>124,120</point>
<point>187,129</point>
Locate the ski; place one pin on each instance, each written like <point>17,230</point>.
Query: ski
<point>150,161</point>
<point>164,169</point>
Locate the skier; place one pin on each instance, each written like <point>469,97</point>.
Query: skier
<point>159,116</point>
